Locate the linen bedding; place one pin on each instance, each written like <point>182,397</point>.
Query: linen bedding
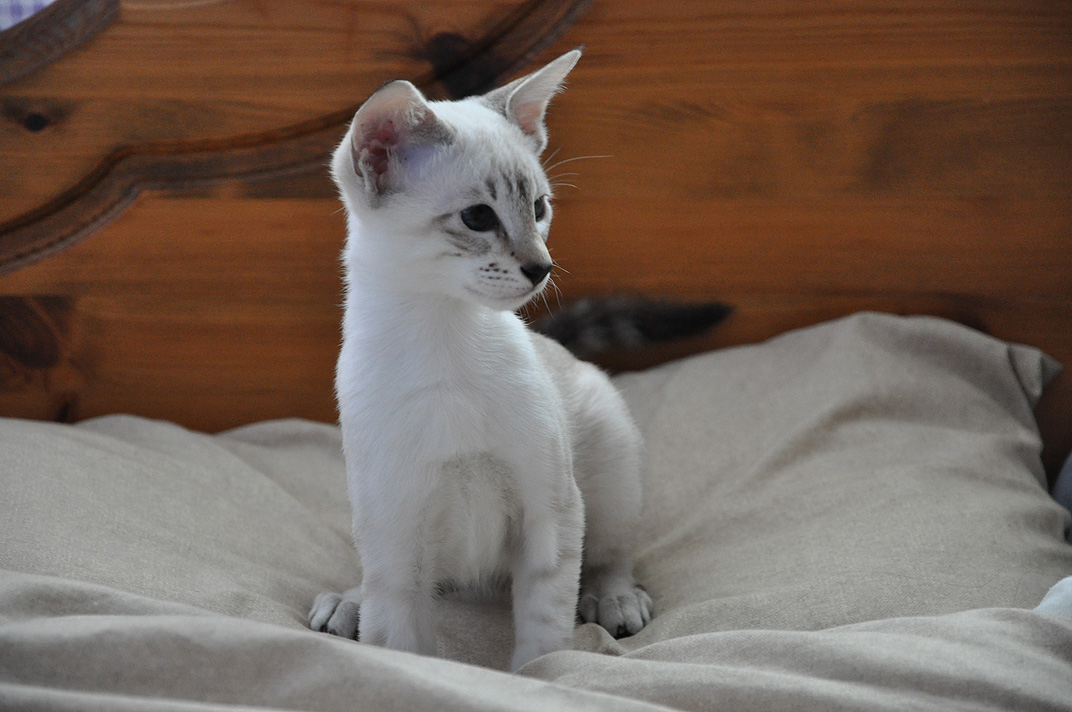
<point>849,516</point>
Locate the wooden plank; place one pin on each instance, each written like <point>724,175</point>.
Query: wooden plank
<point>229,315</point>
<point>799,162</point>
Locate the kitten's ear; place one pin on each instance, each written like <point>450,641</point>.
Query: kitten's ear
<point>392,127</point>
<point>524,101</point>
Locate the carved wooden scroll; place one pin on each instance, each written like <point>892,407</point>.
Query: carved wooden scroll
<point>74,155</point>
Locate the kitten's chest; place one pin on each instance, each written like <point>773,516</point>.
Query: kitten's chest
<point>461,385</point>
<point>476,510</point>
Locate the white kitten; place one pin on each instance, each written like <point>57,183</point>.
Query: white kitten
<point>475,448</point>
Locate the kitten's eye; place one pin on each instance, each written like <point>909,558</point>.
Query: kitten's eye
<point>480,218</point>
<point>539,209</point>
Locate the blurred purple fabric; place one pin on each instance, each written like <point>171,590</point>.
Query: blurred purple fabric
<point>14,11</point>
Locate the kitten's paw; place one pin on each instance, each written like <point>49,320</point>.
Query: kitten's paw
<point>622,613</point>
<point>337,614</point>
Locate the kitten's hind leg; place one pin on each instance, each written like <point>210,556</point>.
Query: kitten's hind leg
<point>615,601</point>
<point>608,473</point>
<point>610,596</point>
<point>337,614</point>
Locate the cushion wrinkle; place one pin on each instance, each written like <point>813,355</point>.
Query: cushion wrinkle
<point>847,516</point>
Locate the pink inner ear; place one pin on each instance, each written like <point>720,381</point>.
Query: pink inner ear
<point>375,147</point>
<point>385,133</point>
<point>528,117</point>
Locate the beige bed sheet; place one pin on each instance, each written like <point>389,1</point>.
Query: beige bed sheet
<point>850,516</point>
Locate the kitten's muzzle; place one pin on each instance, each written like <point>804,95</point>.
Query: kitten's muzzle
<point>536,271</point>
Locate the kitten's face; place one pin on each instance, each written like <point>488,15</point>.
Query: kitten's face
<point>450,197</point>
<point>492,205</point>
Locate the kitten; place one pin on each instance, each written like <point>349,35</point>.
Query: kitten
<point>474,447</point>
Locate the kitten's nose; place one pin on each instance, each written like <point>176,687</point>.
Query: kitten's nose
<point>535,271</point>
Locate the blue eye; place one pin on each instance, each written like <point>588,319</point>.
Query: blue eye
<point>480,218</point>
<point>539,209</point>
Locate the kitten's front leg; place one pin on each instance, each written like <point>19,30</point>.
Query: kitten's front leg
<point>398,558</point>
<point>337,613</point>
<point>546,577</point>
<point>399,618</point>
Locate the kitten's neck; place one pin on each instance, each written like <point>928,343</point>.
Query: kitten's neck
<point>383,289</point>
<point>431,337</point>
<point>393,308</point>
<point>391,319</point>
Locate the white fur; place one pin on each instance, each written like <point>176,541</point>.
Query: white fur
<point>475,449</point>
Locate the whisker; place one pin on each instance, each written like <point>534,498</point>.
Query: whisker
<point>550,158</point>
<point>558,294</point>
<point>561,185</point>
<point>571,160</point>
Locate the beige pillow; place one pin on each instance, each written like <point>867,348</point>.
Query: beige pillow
<point>861,470</point>
<point>871,467</point>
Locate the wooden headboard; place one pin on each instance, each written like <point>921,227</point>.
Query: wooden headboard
<point>169,235</point>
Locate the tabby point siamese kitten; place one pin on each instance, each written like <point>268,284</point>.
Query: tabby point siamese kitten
<point>476,450</point>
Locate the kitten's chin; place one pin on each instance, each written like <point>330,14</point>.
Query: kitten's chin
<point>500,302</point>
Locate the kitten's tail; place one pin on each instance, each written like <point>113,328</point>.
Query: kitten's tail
<point>595,324</point>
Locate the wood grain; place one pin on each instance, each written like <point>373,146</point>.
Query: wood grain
<point>101,153</point>
<point>806,163</point>
<point>799,162</point>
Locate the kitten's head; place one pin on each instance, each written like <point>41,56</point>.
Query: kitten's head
<point>449,197</point>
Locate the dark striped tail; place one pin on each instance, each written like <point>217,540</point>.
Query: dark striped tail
<point>596,324</point>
